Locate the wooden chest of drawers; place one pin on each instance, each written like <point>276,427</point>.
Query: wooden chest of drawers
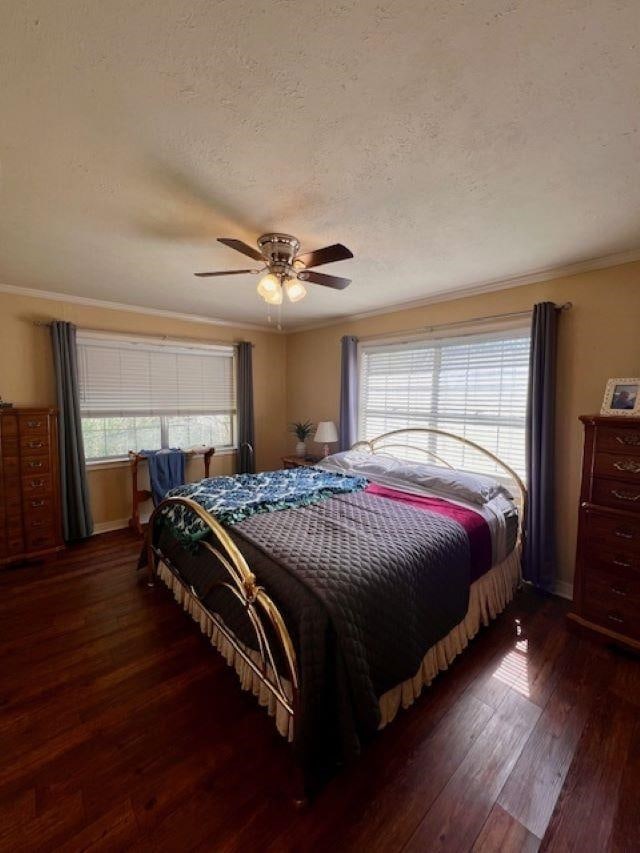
<point>30,524</point>
<point>607,579</point>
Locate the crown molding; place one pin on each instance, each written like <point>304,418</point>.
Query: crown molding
<point>477,289</point>
<point>72,299</point>
<point>489,286</point>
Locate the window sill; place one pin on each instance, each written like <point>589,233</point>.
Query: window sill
<point>122,461</point>
<point>98,464</point>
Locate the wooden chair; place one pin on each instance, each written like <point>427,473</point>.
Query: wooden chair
<point>140,495</point>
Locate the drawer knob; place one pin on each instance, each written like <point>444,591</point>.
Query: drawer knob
<point>625,496</point>
<point>629,465</point>
<point>39,523</point>
<point>34,424</point>
<point>618,590</point>
<point>614,618</point>
<point>37,503</point>
<point>626,564</point>
<point>35,464</point>
<point>633,439</point>
<point>34,444</point>
<point>623,534</point>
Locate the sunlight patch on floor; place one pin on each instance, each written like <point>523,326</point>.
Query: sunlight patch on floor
<point>514,666</point>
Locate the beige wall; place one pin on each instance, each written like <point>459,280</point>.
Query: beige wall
<point>26,376</point>
<point>598,338</point>
<point>298,376</point>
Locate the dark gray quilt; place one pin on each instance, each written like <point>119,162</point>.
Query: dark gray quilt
<point>393,580</point>
<point>366,585</point>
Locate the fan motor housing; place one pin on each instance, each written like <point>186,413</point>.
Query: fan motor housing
<point>279,248</point>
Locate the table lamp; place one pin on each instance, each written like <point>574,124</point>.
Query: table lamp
<point>326,433</point>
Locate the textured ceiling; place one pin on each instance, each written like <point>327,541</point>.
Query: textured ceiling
<point>446,143</point>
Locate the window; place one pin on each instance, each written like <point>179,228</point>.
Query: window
<point>472,385</point>
<point>113,437</point>
<point>140,394</point>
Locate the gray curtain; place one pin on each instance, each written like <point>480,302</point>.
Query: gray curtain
<point>539,564</point>
<point>246,436</point>
<point>349,392</point>
<point>77,522</point>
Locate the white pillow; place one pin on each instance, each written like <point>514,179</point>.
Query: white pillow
<point>464,485</point>
<point>360,461</point>
<point>447,482</point>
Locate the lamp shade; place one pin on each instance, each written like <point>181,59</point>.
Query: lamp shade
<point>326,432</point>
<point>295,290</point>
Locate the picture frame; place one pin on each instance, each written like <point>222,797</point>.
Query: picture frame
<point>622,397</point>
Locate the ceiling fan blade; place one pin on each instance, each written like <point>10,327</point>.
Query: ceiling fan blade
<point>239,246</point>
<point>328,255</point>
<point>327,280</point>
<point>224,272</point>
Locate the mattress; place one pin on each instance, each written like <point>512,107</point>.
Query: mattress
<point>291,553</point>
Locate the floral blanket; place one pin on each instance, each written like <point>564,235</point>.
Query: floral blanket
<point>232,499</point>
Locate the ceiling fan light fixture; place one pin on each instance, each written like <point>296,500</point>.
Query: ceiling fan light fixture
<point>268,286</point>
<point>285,268</point>
<point>295,290</point>
<point>274,297</point>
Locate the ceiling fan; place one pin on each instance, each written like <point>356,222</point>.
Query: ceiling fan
<point>286,270</point>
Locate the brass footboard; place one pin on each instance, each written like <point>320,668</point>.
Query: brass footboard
<point>260,610</point>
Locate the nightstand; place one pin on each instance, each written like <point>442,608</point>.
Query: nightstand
<point>299,461</point>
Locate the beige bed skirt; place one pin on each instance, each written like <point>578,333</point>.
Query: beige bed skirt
<point>488,596</point>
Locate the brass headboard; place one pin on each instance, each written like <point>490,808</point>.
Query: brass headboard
<point>381,444</point>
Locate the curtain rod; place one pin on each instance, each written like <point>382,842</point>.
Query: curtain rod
<point>227,343</point>
<point>512,315</point>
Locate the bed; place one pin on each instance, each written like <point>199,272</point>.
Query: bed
<point>338,593</point>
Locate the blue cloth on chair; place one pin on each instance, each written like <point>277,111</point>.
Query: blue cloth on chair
<point>166,471</point>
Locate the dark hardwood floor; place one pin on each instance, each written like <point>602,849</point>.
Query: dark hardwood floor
<point>121,728</point>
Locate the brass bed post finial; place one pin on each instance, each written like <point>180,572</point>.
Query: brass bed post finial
<point>250,587</point>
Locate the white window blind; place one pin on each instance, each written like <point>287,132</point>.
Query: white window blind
<point>472,385</point>
<point>127,378</point>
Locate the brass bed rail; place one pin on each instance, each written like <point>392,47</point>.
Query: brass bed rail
<point>242,584</point>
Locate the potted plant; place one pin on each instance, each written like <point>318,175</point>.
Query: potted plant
<point>302,430</point>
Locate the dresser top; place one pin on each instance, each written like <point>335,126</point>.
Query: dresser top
<point>610,420</point>
<point>28,410</point>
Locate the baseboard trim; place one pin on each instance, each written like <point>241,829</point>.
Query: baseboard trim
<point>116,524</point>
<point>108,526</point>
<point>560,588</point>
<point>563,589</point>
